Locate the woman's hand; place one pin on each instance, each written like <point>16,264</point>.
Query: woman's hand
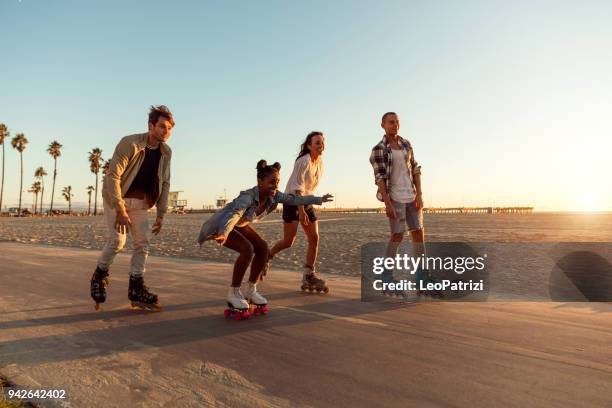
<point>327,198</point>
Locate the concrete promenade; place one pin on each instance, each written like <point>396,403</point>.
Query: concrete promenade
<point>310,350</point>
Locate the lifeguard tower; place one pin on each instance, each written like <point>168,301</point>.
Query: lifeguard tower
<point>176,205</point>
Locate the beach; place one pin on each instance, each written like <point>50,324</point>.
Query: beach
<point>342,235</point>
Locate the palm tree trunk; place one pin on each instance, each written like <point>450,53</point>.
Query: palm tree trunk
<point>2,185</point>
<point>96,197</point>
<point>69,206</point>
<point>35,202</point>
<point>53,188</point>
<point>42,193</point>
<point>20,182</point>
<point>89,205</point>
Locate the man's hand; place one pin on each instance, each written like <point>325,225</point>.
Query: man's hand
<point>221,239</point>
<point>418,202</point>
<point>303,217</point>
<point>390,210</point>
<point>157,226</point>
<point>122,222</point>
<point>327,198</point>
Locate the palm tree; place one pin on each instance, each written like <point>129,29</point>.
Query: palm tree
<point>55,150</point>
<point>4,133</point>
<point>67,193</point>
<point>95,159</point>
<point>106,166</point>
<point>19,143</point>
<point>90,189</point>
<point>40,174</point>
<point>36,188</point>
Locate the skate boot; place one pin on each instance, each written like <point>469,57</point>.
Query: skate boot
<point>423,278</point>
<point>311,281</point>
<point>266,267</point>
<point>99,282</point>
<point>237,307</point>
<point>387,277</point>
<point>140,296</point>
<point>257,303</point>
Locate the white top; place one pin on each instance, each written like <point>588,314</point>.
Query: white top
<point>305,176</point>
<point>401,187</point>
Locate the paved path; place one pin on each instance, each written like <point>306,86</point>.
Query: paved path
<point>311,350</point>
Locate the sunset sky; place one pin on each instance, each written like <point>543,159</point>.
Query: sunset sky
<point>505,103</point>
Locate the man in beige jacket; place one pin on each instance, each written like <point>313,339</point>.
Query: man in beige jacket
<point>137,179</point>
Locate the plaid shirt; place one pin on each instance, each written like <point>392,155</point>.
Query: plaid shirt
<point>381,159</point>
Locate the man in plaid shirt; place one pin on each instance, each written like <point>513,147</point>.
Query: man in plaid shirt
<point>398,177</point>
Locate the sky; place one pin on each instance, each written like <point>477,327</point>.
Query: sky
<point>506,104</point>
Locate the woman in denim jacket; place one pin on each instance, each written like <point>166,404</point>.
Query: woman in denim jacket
<point>231,228</point>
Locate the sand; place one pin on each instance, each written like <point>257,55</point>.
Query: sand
<point>342,235</point>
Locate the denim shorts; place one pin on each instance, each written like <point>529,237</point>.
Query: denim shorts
<point>406,214</point>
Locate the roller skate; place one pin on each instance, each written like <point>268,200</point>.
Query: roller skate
<point>140,296</point>
<point>99,282</point>
<point>387,277</point>
<point>257,303</point>
<point>311,281</point>
<point>266,267</point>
<point>237,307</point>
<point>423,278</point>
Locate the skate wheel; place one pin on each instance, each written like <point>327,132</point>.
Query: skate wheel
<point>310,289</point>
<point>326,290</point>
<point>227,313</point>
<point>256,311</point>
<point>304,288</point>
<point>264,309</point>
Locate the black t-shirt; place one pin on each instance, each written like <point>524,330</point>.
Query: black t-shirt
<point>146,182</point>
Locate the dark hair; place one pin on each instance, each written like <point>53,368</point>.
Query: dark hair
<point>263,169</point>
<point>387,114</point>
<point>304,149</point>
<point>160,111</point>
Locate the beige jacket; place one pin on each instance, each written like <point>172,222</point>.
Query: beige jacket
<point>127,159</point>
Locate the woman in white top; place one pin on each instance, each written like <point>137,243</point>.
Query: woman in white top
<point>307,172</point>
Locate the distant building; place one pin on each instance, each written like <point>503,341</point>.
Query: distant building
<point>221,202</point>
<point>174,204</point>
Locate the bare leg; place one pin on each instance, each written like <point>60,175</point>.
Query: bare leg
<point>289,232</point>
<point>260,249</point>
<point>240,244</point>
<point>312,234</point>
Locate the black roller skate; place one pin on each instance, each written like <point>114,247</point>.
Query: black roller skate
<point>423,279</point>
<point>311,281</point>
<point>99,282</point>
<point>237,306</point>
<point>140,296</point>
<point>388,278</point>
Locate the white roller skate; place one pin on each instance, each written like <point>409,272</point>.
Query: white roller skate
<point>311,281</point>
<point>257,303</point>
<point>238,308</point>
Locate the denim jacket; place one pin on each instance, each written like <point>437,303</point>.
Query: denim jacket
<point>243,210</point>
